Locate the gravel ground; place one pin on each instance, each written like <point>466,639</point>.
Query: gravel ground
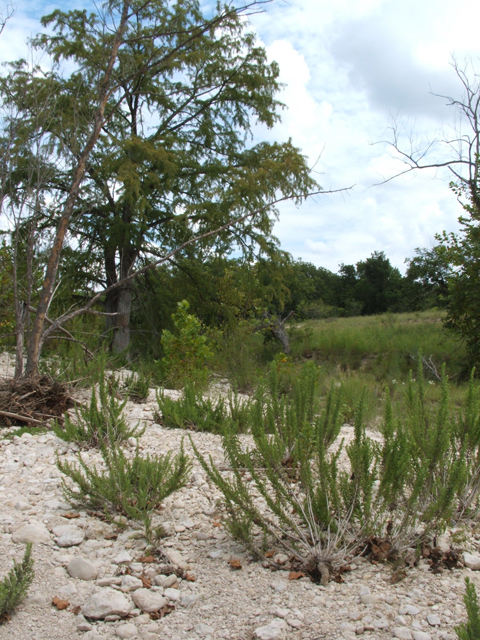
<point>217,601</point>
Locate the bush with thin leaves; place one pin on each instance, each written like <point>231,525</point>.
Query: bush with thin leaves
<point>130,487</point>
<point>470,630</point>
<point>318,500</point>
<point>14,587</point>
<point>199,413</point>
<point>99,422</point>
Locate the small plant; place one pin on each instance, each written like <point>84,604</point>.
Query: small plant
<point>199,413</point>
<point>138,387</point>
<point>470,630</point>
<point>14,587</point>
<point>101,421</point>
<point>132,488</point>
<point>186,350</point>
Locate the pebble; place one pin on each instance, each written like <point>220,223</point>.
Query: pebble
<point>126,631</point>
<point>82,568</point>
<point>148,601</point>
<point>105,603</point>
<point>433,620</point>
<point>34,533</point>
<point>471,561</point>
<point>402,632</point>
<point>275,630</point>
<point>409,609</point>
<point>421,635</point>
<point>122,558</point>
<point>202,629</point>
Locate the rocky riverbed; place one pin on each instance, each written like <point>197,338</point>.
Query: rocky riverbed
<point>106,587</point>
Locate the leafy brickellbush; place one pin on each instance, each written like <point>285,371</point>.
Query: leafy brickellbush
<point>130,487</point>
<point>101,421</point>
<point>316,499</point>
<point>14,587</point>
<point>470,630</point>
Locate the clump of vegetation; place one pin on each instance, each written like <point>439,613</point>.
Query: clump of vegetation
<point>14,587</point>
<point>186,350</point>
<point>138,386</point>
<point>99,422</point>
<point>470,630</point>
<point>194,411</point>
<point>133,488</point>
<point>317,499</point>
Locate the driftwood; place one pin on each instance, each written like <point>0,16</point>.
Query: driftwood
<point>19,418</point>
<point>276,325</point>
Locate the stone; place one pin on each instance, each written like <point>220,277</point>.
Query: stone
<point>93,635</point>
<point>421,635</point>
<point>471,561</point>
<point>409,609</point>
<point>130,583</point>
<point>82,624</point>
<point>202,629</point>
<point>20,505</point>
<point>148,601</point>
<point>34,533</point>
<point>189,599</point>
<point>122,558</point>
<point>367,598</point>
<point>279,586</point>
<point>295,623</point>
<point>106,602</point>
<point>402,632</point>
<point>433,620</point>
<point>126,631</point>
<point>280,558</point>
<point>172,594</point>
<point>177,559</point>
<point>69,535</point>
<point>36,598</point>
<point>82,569</point>
<point>275,630</point>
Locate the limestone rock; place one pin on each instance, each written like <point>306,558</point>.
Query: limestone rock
<point>275,630</point>
<point>36,533</point>
<point>82,568</point>
<point>148,601</point>
<point>106,602</point>
<point>471,561</point>
<point>126,631</point>
<point>69,535</point>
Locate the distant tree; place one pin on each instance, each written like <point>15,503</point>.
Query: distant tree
<point>426,280</point>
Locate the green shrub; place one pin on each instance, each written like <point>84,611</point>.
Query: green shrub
<point>186,350</point>
<point>318,499</point>
<point>194,411</point>
<point>14,587</point>
<point>470,630</point>
<point>138,386</point>
<point>99,422</point>
<point>132,488</point>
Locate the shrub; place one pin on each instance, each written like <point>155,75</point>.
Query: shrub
<point>186,350</point>
<point>194,411</point>
<point>470,630</point>
<point>132,488</point>
<point>317,499</point>
<point>98,423</point>
<point>138,387</point>
<point>14,587</point>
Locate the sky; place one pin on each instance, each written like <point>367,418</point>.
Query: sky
<point>350,68</point>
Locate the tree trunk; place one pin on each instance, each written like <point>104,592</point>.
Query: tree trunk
<point>111,297</point>
<point>121,337</point>
<point>37,337</point>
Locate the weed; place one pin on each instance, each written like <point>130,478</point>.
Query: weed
<point>14,587</point>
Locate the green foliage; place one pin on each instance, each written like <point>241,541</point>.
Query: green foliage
<point>403,487</point>
<point>100,422</point>
<point>186,350</point>
<point>470,630</point>
<point>14,587</point>
<point>138,386</point>
<point>132,487</point>
<point>194,411</point>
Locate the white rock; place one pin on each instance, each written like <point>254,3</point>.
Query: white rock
<point>471,561</point>
<point>280,558</point>
<point>126,631</point>
<point>36,598</point>
<point>148,601</point>
<point>401,632</point>
<point>177,559</point>
<point>202,629</point>
<point>93,635</point>
<point>122,558</point>
<point>82,568</point>
<point>367,598</point>
<point>421,635</point>
<point>130,583</point>
<point>172,594</point>
<point>409,609</point>
<point>275,630</point>
<point>35,533</point>
<point>189,599</point>
<point>106,602</point>
<point>69,535</point>
<point>279,586</point>
<point>20,505</point>
<point>295,623</point>
<point>433,620</point>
